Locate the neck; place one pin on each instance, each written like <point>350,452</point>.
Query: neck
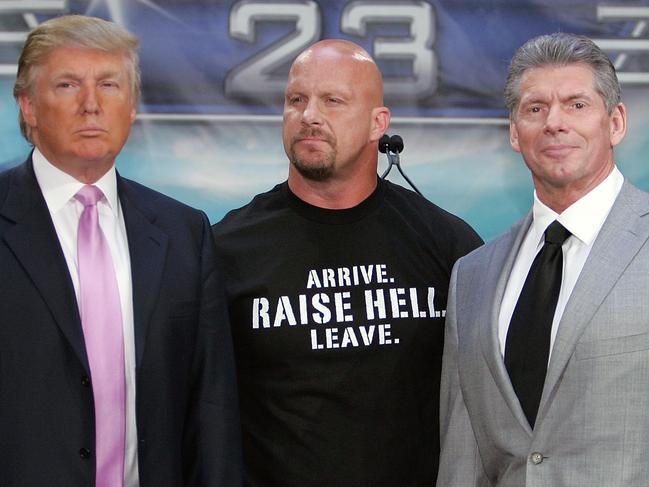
<point>558,198</point>
<point>84,171</point>
<point>91,176</point>
<point>333,194</point>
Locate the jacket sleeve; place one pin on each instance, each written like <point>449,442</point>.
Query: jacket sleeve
<point>460,464</point>
<point>213,432</point>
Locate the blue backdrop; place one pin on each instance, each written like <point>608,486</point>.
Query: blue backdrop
<point>209,127</point>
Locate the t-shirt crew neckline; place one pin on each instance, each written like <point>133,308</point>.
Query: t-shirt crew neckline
<point>336,217</point>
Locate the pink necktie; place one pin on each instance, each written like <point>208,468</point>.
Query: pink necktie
<point>101,319</point>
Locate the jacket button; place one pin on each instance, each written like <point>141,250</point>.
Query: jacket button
<point>84,453</point>
<point>85,381</point>
<point>536,458</point>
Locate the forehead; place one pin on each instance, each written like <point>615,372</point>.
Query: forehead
<point>326,72</point>
<point>79,59</point>
<point>561,80</point>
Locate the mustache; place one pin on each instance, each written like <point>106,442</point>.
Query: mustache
<point>306,133</point>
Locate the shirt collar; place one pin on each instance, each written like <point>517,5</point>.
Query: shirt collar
<point>585,217</point>
<point>58,187</point>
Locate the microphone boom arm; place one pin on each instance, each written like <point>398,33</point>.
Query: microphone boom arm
<point>391,146</point>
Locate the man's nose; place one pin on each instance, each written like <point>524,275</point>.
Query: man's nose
<point>555,120</point>
<point>312,114</point>
<point>89,100</point>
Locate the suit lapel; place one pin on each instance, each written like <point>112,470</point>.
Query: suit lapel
<point>501,262</point>
<point>624,232</point>
<point>148,249</point>
<point>34,242</point>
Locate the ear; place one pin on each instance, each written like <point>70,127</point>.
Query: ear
<point>133,115</point>
<point>27,110</point>
<point>617,124</point>
<point>513,134</point>
<point>380,123</point>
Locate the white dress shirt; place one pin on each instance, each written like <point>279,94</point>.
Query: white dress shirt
<point>584,219</point>
<point>58,189</point>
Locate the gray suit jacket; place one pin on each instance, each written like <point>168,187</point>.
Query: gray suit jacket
<point>593,421</point>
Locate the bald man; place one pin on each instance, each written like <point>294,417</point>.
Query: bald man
<point>337,286</point>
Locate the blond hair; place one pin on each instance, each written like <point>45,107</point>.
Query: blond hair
<point>74,31</point>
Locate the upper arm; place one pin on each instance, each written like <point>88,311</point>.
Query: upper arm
<point>460,463</point>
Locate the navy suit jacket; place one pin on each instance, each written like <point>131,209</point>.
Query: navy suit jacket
<point>186,408</point>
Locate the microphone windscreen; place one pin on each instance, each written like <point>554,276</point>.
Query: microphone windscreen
<point>396,144</point>
<point>384,143</point>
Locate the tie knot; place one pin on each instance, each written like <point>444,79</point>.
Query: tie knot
<point>556,233</point>
<point>89,195</point>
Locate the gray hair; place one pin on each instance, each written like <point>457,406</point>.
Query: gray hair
<point>74,31</point>
<point>560,49</point>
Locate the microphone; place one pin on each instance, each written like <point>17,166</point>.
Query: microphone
<point>392,144</point>
<point>396,144</point>
<point>384,144</point>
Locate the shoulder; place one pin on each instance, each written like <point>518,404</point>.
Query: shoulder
<point>12,166</point>
<point>439,224</point>
<point>263,209</point>
<point>19,183</point>
<point>5,179</point>
<point>174,218</point>
<point>13,171</point>
<point>406,201</point>
<point>5,182</point>
<point>633,197</point>
<point>496,249</point>
<point>152,200</point>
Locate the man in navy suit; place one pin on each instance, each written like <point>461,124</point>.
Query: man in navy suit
<point>172,369</point>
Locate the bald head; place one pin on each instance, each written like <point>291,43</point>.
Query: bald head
<point>333,119</point>
<point>343,55</point>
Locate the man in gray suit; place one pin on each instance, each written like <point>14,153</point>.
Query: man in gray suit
<point>546,383</point>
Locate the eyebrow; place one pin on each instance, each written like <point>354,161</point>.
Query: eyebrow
<point>337,94</point>
<point>108,73</point>
<point>540,99</point>
<point>341,93</point>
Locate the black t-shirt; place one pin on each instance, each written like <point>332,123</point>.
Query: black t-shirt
<point>338,325</point>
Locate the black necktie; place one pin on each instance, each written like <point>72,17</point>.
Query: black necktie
<point>528,338</point>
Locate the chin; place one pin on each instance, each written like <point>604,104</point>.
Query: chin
<point>96,159</point>
<point>313,170</point>
<point>94,151</point>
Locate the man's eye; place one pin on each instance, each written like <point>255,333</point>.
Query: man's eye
<point>579,105</point>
